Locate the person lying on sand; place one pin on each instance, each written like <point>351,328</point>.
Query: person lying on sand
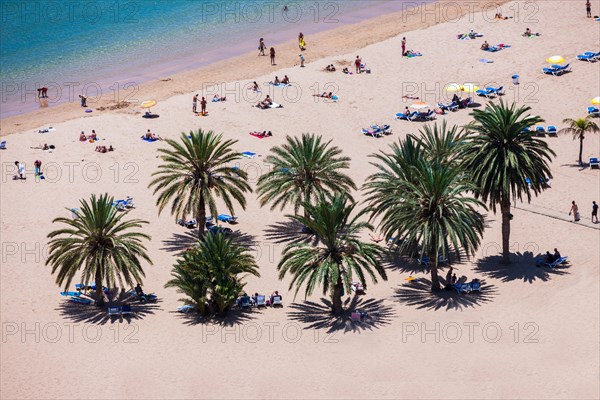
<point>485,45</point>
<point>40,147</point>
<point>376,239</point>
<point>324,95</point>
<point>528,33</point>
<point>101,149</point>
<point>330,68</point>
<point>255,87</point>
<point>499,16</point>
<point>346,70</point>
<point>82,137</point>
<point>217,98</point>
<point>411,97</point>
<point>262,134</point>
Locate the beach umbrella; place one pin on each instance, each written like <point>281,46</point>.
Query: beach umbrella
<point>420,105</point>
<point>555,59</point>
<point>148,103</point>
<point>470,87</point>
<point>453,87</point>
<point>595,100</point>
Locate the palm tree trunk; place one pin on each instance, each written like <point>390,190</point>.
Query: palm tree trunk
<point>336,300</point>
<point>505,210</point>
<point>435,279</point>
<point>99,292</point>
<point>201,216</point>
<point>581,150</point>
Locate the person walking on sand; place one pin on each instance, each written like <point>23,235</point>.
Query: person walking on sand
<point>261,47</point>
<point>357,63</point>
<point>449,275</point>
<point>403,46</point>
<point>594,212</point>
<point>203,105</point>
<point>272,54</point>
<point>195,104</point>
<point>83,100</point>
<point>588,8</point>
<point>574,211</point>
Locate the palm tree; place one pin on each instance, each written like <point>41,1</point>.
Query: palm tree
<point>578,128</point>
<point>100,244</point>
<point>441,142</point>
<point>209,274</point>
<point>196,171</point>
<point>340,256</point>
<point>502,156</point>
<point>303,169</point>
<point>422,200</point>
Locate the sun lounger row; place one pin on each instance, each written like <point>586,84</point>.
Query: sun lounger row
<point>541,131</point>
<point>557,70</point>
<point>259,300</point>
<point>474,286</point>
<point>123,204</point>
<point>455,105</point>
<point>377,130</point>
<point>545,182</point>
<point>490,92</point>
<point>559,261</point>
<point>416,116</point>
<point>589,56</point>
<point>119,311</point>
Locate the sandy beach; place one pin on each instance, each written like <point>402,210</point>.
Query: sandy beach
<point>532,333</point>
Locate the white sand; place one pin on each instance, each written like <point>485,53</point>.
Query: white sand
<point>171,358</point>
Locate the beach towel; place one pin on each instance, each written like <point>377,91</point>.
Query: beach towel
<point>275,105</point>
<point>279,84</point>
<point>257,135</point>
<point>411,55</point>
<point>486,61</point>
<point>148,140</point>
<point>465,36</point>
<point>46,130</point>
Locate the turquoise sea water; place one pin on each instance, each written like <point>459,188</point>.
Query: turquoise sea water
<point>93,43</point>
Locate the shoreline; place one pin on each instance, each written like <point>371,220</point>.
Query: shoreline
<point>331,42</point>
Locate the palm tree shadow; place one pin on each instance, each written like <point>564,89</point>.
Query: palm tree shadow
<point>233,318</point>
<point>89,313</point>
<point>418,293</point>
<point>319,316</point>
<point>181,241</point>
<point>395,260</point>
<point>244,239</point>
<point>289,231</point>
<point>523,267</point>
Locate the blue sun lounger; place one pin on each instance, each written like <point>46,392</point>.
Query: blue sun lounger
<point>114,311</point>
<point>126,310</point>
<point>594,162</point>
<point>467,287</point>
<point>589,56</point>
<point>227,218</point>
<point>540,131</point>
<point>552,131</point>
<point>80,300</point>
<point>403,117</point>
<point>489,93</point>
<point>3,145</point>
<point>593,110</point>
<point>75,294</point>
<point>186,309</point>
<point>497,91</point>
<point>556,262</point>
<point>448,107</point>
<point>249,154</point>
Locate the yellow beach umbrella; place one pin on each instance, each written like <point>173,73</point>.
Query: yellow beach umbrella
<point>470,87</point>
<point>555,59</point>
<point>596,100</point>
<point>453,87</point>
<point>148,103</point>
